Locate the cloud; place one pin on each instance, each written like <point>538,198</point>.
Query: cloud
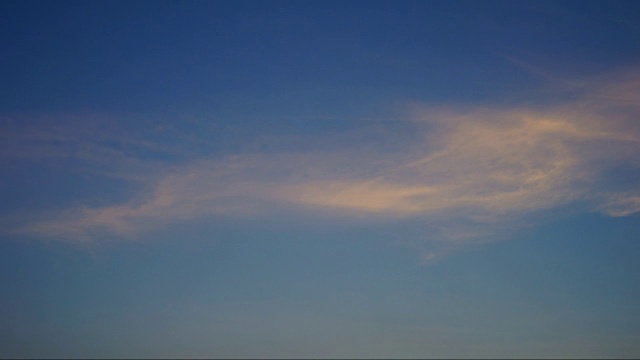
<point>463,172</point>
<point>496,161</point>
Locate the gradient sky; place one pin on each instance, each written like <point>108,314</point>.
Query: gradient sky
<point>320,179</point>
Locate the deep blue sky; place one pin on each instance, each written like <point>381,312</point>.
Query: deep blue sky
<point>173,56</point>
<point>320,179</point>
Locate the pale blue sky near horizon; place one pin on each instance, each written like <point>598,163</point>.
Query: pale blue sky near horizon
<point>320,179</point>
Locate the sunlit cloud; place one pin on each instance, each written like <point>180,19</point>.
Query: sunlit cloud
<point>492,160</point>
<point>482,166</point>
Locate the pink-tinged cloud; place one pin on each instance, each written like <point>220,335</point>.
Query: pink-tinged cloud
<point>479,166</point>
<point>496,161</point>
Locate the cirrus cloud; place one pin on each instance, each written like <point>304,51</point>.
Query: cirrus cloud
<point>482,166</point>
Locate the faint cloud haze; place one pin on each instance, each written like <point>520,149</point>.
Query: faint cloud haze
<point>482,166</point>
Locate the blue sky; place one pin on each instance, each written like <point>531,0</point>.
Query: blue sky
<point>320,179</point>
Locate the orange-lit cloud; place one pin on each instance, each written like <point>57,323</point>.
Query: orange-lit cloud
<point>493,160</point>
<point>480,165</point>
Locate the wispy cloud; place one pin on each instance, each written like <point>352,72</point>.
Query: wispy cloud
<point>496,161</point>
<point>481,167</point>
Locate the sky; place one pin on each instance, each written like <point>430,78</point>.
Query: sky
<point>320,179</point>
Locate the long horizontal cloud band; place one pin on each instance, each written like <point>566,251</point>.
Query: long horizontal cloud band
<point>482,165</point>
